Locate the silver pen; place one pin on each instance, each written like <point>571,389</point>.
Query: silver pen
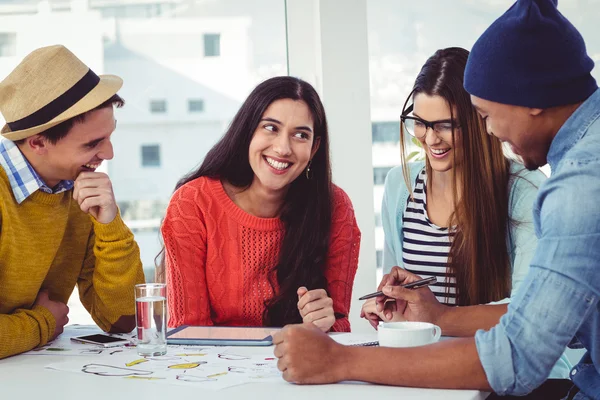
<point>412,285</point>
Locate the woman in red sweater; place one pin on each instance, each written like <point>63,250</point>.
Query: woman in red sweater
<point>259,235</point>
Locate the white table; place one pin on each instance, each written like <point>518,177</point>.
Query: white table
<point>24,377</point>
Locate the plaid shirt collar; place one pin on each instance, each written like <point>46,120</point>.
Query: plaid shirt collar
<point>22,177</point>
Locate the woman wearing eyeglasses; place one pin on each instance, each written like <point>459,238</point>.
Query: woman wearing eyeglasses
<point>464,215</point>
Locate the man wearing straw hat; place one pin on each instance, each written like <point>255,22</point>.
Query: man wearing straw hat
<point>59,222</point>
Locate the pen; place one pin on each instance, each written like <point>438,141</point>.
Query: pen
<point>412,285</point>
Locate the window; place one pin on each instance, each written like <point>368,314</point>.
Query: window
<point>212,44</point>
<point>195,105</point>
<point>158,106</point>
<point>151,155</point>
<point>379,174</point>
<point>379,257</point>
<point>8,44</point>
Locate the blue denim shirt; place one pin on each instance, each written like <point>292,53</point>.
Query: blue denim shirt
<point>558,302</point>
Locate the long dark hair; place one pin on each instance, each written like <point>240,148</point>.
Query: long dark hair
<point>478,253</point>
<point>307,209</point>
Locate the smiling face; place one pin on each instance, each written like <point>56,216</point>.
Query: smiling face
<point>517,126</point>
<point>438,146</point>
<point>83,149</point>
<point>282,144</point>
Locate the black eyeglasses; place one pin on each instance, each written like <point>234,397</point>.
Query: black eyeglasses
<point>417,127</point>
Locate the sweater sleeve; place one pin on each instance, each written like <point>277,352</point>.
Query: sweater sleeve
<point>24,330</point>
<point>391,232</point>
<point>395,195</point>
<point>342,259</point>
<point>184,234</point>
<point>111,269</point>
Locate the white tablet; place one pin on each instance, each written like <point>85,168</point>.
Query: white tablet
<point>221,335</point>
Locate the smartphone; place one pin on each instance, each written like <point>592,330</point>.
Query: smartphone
<point>101,340</point>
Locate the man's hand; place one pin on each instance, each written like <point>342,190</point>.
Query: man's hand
<point>94,193</point>
<point>417,304</point>
<point>317,307</point>
<point>308,356</point>
<point>57,309</point>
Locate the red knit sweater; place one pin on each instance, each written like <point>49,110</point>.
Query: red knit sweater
<point>218,257</point>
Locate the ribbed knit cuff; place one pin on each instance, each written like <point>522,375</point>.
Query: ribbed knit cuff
<point>46,329</point>
<point>113,231</point>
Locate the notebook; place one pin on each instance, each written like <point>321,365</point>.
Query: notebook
<point>356,339</point>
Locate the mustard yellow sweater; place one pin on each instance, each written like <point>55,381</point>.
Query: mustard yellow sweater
<point>47,242</point>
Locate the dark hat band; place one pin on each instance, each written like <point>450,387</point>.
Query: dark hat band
<point>59,105</point>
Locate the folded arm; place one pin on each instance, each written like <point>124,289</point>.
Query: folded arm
<point>24,330</point>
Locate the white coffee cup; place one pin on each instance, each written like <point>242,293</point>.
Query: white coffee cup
<point>407,334</point>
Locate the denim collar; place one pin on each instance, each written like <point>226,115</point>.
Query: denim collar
<point>574,128</point>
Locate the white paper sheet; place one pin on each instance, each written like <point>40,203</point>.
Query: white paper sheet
<point>211,368</point>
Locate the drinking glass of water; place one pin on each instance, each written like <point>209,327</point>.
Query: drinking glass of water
<point>151,318</point>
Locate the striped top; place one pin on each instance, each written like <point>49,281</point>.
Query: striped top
<point>425,246</point>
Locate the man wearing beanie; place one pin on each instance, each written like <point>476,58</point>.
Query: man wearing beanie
<point>529,77</point>
<point>60,225</point>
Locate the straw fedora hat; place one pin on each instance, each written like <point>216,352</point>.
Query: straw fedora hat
<point>50,86</point>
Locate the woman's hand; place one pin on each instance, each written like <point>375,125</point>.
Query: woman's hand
<point>369,312</point>
<point>317,307</point>
<point>390,313</point>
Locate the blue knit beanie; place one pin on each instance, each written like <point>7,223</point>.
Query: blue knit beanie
<point>531,56</point>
